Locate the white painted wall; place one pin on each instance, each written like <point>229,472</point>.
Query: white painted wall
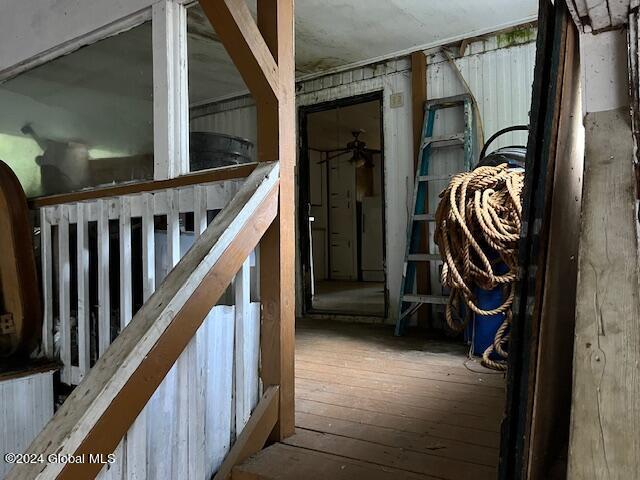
<point>26,405</point>
<point>603,61</point>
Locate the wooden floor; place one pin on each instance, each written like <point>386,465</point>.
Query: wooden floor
<point>372,406</point>
<point>351,298</point>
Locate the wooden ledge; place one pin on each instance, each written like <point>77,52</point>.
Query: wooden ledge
<point>12,370</point>
<point>208,176</point>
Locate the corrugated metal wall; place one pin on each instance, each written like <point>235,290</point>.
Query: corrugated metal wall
<point>500,80</point>
<point>499,72</point>
<point>26,405</point>
<point>235,117</point>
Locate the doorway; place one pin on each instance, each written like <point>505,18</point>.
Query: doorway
<point>342,207</point>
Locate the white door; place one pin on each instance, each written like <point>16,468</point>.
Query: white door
<point>372,258</point>
<point>318,210</point>
<point>342,220</point>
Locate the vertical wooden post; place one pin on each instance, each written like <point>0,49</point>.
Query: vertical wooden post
<point>264,55</point>
<point>170,90</point>
<point>418,98</point>
<point>276,139</point>
<point>47,281</point>
<point>605,409</point>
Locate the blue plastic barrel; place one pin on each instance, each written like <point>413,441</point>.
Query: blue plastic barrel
<point>486,326</point>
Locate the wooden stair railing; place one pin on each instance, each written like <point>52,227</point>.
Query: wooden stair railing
<point>99,412</point>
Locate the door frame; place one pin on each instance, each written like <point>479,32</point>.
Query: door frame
<point>304,196</point>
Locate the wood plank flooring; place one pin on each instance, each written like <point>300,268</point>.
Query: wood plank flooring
<point>370,405</point>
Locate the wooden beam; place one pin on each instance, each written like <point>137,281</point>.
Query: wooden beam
<point>276,136</point>
<point>255,433</point>
<point>551,409</point>
<point>208,176</point>
<point>418,99</point>
<point>234,24</point>
<point>605,409</point>
<point>102,408</point>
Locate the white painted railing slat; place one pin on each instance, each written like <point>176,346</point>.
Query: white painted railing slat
<point>242,317</point>
<point>173,228</point>
<point>148,247</point>
<point>200,210</point>
<point>84,308</point>
<point>126,312</point>
<point>47,287</point>
<point>104,307</point>
<point>196,199</point>
<point>64,296</point>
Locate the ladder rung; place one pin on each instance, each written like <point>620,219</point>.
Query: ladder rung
<point>448,102</point>
<point>424,257</point>
<point>445,140</point>
<point>432,299</point>
<point>433,178</point>
<point>424,217</point>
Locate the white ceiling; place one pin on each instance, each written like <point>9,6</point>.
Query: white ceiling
<point>333,33</point>
<point>600,15</point>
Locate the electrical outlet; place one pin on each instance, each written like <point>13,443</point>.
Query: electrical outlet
<point>396,100</point>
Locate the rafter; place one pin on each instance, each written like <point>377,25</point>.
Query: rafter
<point>239,33</point>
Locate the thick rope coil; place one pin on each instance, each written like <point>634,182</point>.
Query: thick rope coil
<point>480,211</point>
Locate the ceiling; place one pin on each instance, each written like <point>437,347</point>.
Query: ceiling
<point>594,16</point>
<point>331,34</point>
<point>334,33</point>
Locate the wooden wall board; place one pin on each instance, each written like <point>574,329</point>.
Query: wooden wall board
<point>605,416</point>
<point>552,393</point>
<point>537,196</point>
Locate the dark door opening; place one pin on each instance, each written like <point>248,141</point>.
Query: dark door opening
<point>342,207</point>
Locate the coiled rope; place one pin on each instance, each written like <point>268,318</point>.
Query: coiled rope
<point>478,212</point>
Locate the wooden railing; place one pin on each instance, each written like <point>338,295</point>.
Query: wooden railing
<point>80,316</point>
<point>102,409</point>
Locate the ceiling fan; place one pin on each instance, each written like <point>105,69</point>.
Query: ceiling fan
<point>360,154</point>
